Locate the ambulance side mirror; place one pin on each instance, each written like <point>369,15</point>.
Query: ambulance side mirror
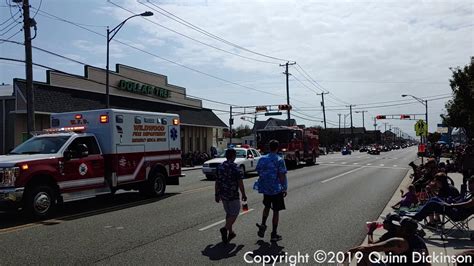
<point>82,151</point>
<point>67,155</point>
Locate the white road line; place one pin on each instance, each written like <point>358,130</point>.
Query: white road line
<point>395,165</point>
<point>343,163</point>
<point>366,166</point>
<point>331,162</point>
<point>369,164</point>
<point>343,174</point>
<point>355,163</point>
<point>382,164</point>
<point>222,221</point>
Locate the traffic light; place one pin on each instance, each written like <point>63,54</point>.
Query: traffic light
<point>260,109</point>
<point>284,107</point>
<point>405,117</point>
<point>381,117</point>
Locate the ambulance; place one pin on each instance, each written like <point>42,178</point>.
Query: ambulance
<point>90,153</point>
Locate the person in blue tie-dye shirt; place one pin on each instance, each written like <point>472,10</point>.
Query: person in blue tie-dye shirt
<point>273,184</point>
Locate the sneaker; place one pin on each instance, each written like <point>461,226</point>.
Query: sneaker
<point>223,231</point>
<point>231,236</point>
<point>275,237</point>
<point>261,230</point>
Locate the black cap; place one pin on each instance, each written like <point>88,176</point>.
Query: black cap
<point>392,217</point>
<point>408,224</point>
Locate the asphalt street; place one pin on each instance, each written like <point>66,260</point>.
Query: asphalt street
<point>327,207</point>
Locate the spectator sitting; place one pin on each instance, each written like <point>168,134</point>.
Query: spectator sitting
<point>449,167</point>
<point>405,244</point>
<point>457,211</point>
<point>427,174</point>
<point>387,225</point>
<point>443,189</point>
<point>408,199</point>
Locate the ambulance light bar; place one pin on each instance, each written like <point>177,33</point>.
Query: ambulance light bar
<point>65,129</point>
<point>175,121</point>
<point>78,116</point>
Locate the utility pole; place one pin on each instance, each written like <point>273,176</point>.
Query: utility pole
<point>326,135</point>
<point>339,123</point>
<point>324,109</point>
<point>384,133</point>
<point>30,98</point>
<point>375,130</point>
<point>352,127</point>
<point>287,88</point>
<point>231,121</point>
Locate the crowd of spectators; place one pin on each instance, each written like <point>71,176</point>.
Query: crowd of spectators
<point>431,195</point>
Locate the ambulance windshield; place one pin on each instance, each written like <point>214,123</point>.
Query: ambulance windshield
<point>41,145</point>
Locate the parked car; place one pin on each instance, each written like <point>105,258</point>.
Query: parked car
<point>346,151</point>
<point>247,159</point>
<point>374,150</point>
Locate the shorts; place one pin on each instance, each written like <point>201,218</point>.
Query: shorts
<point>275,202</point>
<point>231,207</point>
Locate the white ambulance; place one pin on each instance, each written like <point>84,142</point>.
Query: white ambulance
<point>89,153</point>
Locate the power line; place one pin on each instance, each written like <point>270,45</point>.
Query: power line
<point>163,58</point>
<point>41,12</point>
<point>9,38</point>
<point>11,18</point>
<point>117,74</point>
<point>201,30</point>
<point>94,81</point>
<point>191,38</point>
<point>39,7</point>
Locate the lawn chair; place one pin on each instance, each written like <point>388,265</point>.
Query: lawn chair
<point>460,224</point>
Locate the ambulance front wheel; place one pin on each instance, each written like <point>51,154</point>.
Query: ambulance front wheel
<point>40,201</point>
<point>155,186</point>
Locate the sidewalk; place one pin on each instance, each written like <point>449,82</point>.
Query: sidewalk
<point>450,245</point>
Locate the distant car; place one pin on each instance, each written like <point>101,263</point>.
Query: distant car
<point>374,150</point>
<point>346,151</point>
<point>363,149</point>
<point>247,159</point>
<point>396,147</point>
<point>385,148</point>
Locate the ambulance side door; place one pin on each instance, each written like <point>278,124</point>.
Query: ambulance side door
<point>83,164</point>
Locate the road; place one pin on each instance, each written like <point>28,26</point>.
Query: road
<point>327,207</point>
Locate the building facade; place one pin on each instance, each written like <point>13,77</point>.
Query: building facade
<point>130,88</point>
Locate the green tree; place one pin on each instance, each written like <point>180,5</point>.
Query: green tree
<point>460,109</point>
<point>242,131</point>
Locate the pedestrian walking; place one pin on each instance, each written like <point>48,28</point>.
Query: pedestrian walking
<point>228,182</point>
<point>273,184</point>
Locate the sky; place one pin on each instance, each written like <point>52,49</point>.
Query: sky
<point>364,53</point>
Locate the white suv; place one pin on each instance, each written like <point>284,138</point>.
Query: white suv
<point>247,159</point>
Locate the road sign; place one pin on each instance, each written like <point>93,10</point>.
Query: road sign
<point>272,113</point>
<point>421,128</point>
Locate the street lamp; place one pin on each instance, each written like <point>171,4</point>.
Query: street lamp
<point>109,38</point>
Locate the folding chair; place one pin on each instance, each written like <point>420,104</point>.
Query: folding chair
<point>461,225</point>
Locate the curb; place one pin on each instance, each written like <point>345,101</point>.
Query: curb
<point>184,169</point>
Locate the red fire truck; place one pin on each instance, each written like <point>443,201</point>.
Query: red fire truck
<point>297,143</point>
<point>89,153</point>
